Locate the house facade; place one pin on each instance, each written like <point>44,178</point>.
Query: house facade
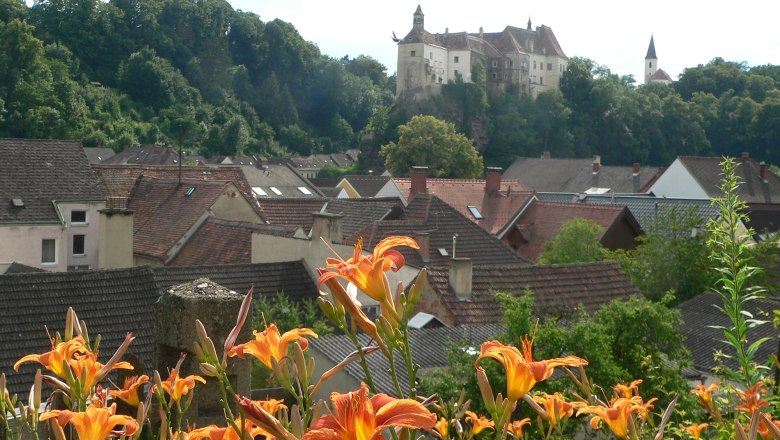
<point>50,205</point>
<point>525,60</point>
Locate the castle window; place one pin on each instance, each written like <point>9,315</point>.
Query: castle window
<point>511,63</point>
<point>549,66</point>
<point>495,63</point>
<point>541,80</point>
<point>456,59</point>
<point>414,53</point>
<point>534,64</point>
<point>650,65</point>
<point>495,76</point>
<point>431,55</point>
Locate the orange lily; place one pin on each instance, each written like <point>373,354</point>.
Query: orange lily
<point>94,423</point>
<point>556,407</point>
<point>262,419</point>
<point>627,390</point>
<point>129,392</point>
<point>515,429</point>
<point>88,371</point>
<point>271,405</point>
<point>368,272</point>
<point>213,432</point>
<point>180,386</point>
<point>615,416</point>
<point>55,359</point>
<point>763,429</point>
<point>356,417</point>
<point>352,307</point>
<point>705,394</point>
<point>442,428</point>
<point>270,344</point>
<point>695,429</point>
<point>478,423</point>
<point>751,399</point>
<point>522,372</point>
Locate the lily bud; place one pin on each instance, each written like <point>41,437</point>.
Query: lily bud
<point>486,390</point>
<point>300,365</point>
<point>38,384</point>
<point>209,351</point>
<point>208,370</point>
<point>415,292</point>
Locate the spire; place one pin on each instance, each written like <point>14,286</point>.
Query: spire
<point>651,50</point>
<point>529,22</point>
<point>419,19</point>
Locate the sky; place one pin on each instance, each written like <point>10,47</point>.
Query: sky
<point>613,33</point>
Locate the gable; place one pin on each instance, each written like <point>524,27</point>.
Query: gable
<point>677,181</point>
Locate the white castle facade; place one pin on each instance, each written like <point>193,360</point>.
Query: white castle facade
<point>519,60</point>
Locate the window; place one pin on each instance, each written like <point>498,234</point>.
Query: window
<point>259,191</point>
<point>456,59</point>
<point>549,66</point>
<point>511,63</point>
<point>430,55</point>
<point>650,64</point>
<point>48,251</point>
<point>414,53</point>
<point>495,76</point>
<point>534,65</point>
<point>475,212</point>
<point>495,63</point>
<point>276,190</point>
<point>304,190</point>
<point>78,244</point>
<point>541,80</point>
<point>78,216</point>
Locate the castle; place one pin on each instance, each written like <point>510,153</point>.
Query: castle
<point>522,60</point>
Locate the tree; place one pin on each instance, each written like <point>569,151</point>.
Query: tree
<point>578,241</point>
<point>427,141</point>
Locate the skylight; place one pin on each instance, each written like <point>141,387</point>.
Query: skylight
<point>475,212</point>
<point>18,203</point>
<point>443,252</point>
<point>304,190</point>
<point>189,191</point>
<point>259,191</point>
<point>597,190</point>
<point>276,190</point>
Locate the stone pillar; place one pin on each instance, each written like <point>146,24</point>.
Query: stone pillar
<point>174,331</point>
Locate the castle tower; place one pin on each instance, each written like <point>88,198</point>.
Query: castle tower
<point>419,19</point>
<point>651,61</point>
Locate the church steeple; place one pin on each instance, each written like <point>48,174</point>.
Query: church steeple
<point>419,19</point>
<point>651,61</point>
<point>529,22</point>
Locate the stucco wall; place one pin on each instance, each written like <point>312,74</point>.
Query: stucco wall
<point>90,229</point>
<point>231,205</point>
<point>23,244</point>
<point>676,181</point>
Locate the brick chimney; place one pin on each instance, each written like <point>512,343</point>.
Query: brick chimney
<point>635,175</point>
<point>115,232</point>
<point>327,225</point>
<point>763,172</point>
<point>419,180</point>
<point>424,240</point>
<point>596,166</point>
<point>460,277</point>
<point>492,180</point>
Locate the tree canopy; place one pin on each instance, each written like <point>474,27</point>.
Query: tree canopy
<point>428,141</point>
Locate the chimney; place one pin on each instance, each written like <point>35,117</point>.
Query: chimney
<point>546,155</point>
<point>115,233</point>
<point>424,240</point>
<point>481,33</point>
<point>460,277</point>
<point>763,172</point>
<point>636,176</point>
<point>328,226</point>
<point>745,155</point>
<point>492,180</point>
<point>419,183</point>
<point>594,179</point>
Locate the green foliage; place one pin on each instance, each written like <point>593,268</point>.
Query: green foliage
<point>730,255</point>
<point>288,315</point>
<point>671,256</point>
<point>430,142</point>
<point>577,241</point>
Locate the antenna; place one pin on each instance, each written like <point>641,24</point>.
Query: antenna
<point>454,242</point>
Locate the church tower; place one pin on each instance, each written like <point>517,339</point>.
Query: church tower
<point>651,61</point>
<point>419,19</point>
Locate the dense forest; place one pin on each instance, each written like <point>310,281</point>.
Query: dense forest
<point>221,81</point>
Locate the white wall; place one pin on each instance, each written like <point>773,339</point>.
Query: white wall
<point>676,181</point>
<point>90,229</point>
<point>23,244</point>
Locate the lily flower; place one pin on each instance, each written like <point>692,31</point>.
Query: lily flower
<point>627,390</point>
<point>129,391</point>
<point>515,429</point>
<point>213,432</point>
<point>272,406</point>
<point>55,359</point>
<point>442,429</point>
<point>356,417</point>
<point>262,419</point>
<point>178,387</point>
<point>368,272</point>
<point>94,423</point>
<point>556,408</point>
<point>695,429</point>
<point>616,415</point>
<point>270,344</point>
<point>478,423</point>
<point>89,372</point>
<point>751,399</point>
<point>522,372</point>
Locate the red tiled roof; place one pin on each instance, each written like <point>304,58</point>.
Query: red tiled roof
<point>558,288</point>
<point>294,211</point>
<point>497,208</point>
<point>163,212</point>
<point>118,180</point>
<point>218,242</point>
<point>542,220</point>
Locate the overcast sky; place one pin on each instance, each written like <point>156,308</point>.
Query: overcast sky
<point>613,33</point>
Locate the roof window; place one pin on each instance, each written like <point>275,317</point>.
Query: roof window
<point>443,252</point>
<point>475,212</point>
<point>276,190</point>
<point>18,203</point>
<point>189,191</point>
<point>259,191</point>
<point>304,190</point>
